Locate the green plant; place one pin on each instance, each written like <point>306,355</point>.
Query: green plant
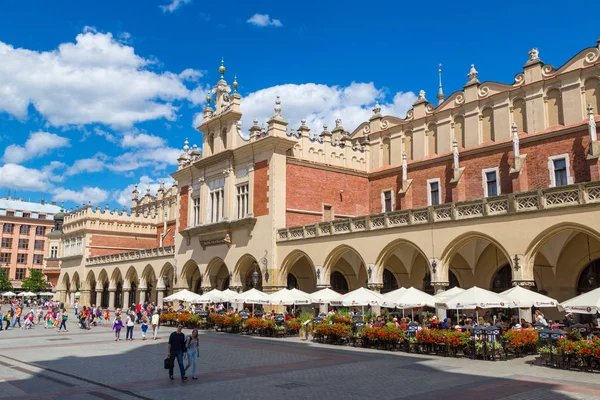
<point>35,282</point>
<point>368,316</point>
<point>305,316</point>
<point>5,283</point>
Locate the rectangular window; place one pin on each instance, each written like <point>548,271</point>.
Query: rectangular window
<point>54,252</point>
<point>10,213</point>
<point>386,201</point>
<point>21,258</point>
<point>433,193</point>
<point>41,216</point>
<point>39,245</point>
<point>23,244</point>
<point>7,243</point>
<point>560,172</point>
<point>215,200</point>
<point>20,274</point>
<point>5,258</point>
<point>242,201</point>
<point>8,228</point>
<point>26,215</point>
<point>38,259</point>
<point>328,213</point>
<point>40,231</point>
<point>491,182</point>
<point>196,210</point>
<point>24,230</point>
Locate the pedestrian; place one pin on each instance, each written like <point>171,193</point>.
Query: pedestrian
<point>155,321</point>
<point>7,319</point>
<point>117,326</point>
<point>63,320</point>
<point>17,314</point>
<point>176,350</point>
<point>1,319</point>
<point>193,351</point>
<point>144,327</point>
<point>130,325</point>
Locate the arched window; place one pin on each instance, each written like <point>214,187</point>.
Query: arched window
<point>589,278</point>
<point>408,145</point>
<point>432,144</point>
<point>555,109</point>
<point>487,125</point>
<point>387,153</point>
<point>592,94</point>
<point>292,282</point>
<point>520,115</point>
<point>502,279</point>
<point>338,282</point>
<point>459,131</point>
<point>389,281</point>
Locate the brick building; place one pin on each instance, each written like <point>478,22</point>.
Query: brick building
<point>24,243</point>
<point>495,185</point>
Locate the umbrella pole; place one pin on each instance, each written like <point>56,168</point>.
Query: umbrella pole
<point>412,315</point>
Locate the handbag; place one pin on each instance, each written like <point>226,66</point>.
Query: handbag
<point>168,363</point>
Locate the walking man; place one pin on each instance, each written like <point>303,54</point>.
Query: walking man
<point>176,350</point>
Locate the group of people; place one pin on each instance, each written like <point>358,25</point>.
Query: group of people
<point>28,314</point>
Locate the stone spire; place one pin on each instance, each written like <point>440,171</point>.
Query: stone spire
<point>135,193</point>
<point>184,157</point>
<point>440,96</point>
<point>515,140</point>
<point>592,124</point>
<point>472,75</point>
<point>276,126</point>
<point>235,83</point>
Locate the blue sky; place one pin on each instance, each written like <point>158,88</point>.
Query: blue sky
<point>94,99</point>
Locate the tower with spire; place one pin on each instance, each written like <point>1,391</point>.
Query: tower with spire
<point>440,96</point>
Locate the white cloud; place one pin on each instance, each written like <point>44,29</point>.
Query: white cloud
<point>89,165</point>
<point>37,145</point>
<point>137,139</point>
<point>96,79</point>
<point>264,20</point>
<point>321,104</point>
<point>123,197</point>
<point>14,176</point>
<point>192,75</point>
<point>94,195</point>
<point>174,5</point>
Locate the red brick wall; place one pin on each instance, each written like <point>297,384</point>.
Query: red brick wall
<point>183,208</point>
<point>117,244</point>
<point>261,188</point>
<point>308,188</point>
<point>574,144</point>
<point>169,240</point>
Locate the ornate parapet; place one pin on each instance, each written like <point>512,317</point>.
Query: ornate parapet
<point>217,233</point>
<point>132,256</point>
<point>535,201</point>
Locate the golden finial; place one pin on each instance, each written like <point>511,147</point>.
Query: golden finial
<point>235,83</point>
<point>222,68</point>
<point>208,97</point>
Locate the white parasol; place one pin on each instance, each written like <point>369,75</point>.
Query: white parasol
<point>182,295</point>
<point>586,303</point>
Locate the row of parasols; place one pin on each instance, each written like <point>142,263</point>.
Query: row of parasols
<point>402,298</point>
<point>27,294</point>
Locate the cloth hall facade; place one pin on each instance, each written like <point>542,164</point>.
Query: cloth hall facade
<point>494,185</point>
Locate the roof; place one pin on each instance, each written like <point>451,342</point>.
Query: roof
<point>19,205</point>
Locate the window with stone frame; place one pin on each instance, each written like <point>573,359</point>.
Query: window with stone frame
<point>20,273</point>
<point>559,169</point>
<point>54,252</point>
<point>387,201</point>
<point>10,213</point>
<point>5,258</point>
<point>216,200</point>
<point>38,245</point>
<point>7,243</point>
<point>8,228</point>
<point>434,193</point>
<point>40,231</point>
<point>242,197</point>
<point>38,259</point>
<point>21,258</point>
<point>196,210</point>
<point>41,216</point>
<point>26,215</point>
<point>491,182</point>
<point>24,230</point>
<point>23,244</point>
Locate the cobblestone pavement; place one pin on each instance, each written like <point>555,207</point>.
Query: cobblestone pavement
<point>81,364</point>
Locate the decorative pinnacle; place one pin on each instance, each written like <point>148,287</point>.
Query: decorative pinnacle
<point>208,98</point>
<point>440,95</point>
<point>277,107</point>
<point>235,83</point>
<point>472,73</point>
<point>186,146</point>
<point>222,68</point>
<point>514,129</point>
<point>590,110</point>
<point>303,122</point>
<point>377,108</point>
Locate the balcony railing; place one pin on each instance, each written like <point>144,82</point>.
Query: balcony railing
<point>517,203</point>
<point>132,255</point>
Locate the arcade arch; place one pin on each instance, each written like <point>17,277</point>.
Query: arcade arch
<point>346,262</point>
<point>192,276</point>
<point>218,274</point>
<point>402,264</point>
<point>298,271</point>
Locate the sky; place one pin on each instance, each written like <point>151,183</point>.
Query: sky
<point>95,98</point>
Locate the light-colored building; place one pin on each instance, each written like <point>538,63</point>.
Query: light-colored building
<point>24,228</point>
<point>496,185</point>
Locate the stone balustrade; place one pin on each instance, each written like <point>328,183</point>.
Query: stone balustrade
<point>132,255</point>
<point>517,203</point>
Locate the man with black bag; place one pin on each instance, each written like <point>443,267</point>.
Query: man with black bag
<point>177,348</point>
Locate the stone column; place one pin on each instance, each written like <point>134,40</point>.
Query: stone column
<point>62,296</point>
<point>142,291</point>
<point>440,287</point>
<point>84,297</point>
<point>99,298</point>
<point>111,298</point>
<point>126,304</point>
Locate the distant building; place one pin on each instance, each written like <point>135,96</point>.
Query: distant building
<point>495,185</point>
<point>24,242</point>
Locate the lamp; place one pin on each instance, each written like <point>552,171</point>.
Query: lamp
<point>433,266</point>
<point>255,275</point>
<point>370,272</point>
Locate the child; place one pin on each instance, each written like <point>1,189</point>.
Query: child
<point>144,327</point>
<point>117,326</point>
<point>106,316</point>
